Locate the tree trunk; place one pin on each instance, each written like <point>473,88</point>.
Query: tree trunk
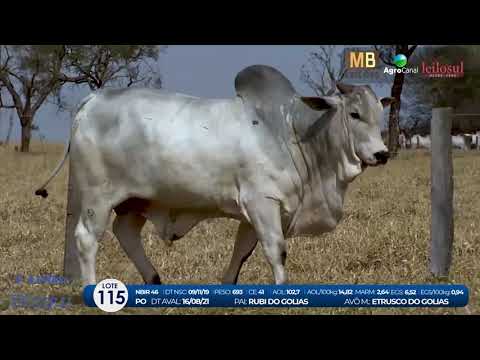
<point>393,129</point>
<point>10,127</point>
<point>394,117</point>
<point>393,120</point>
<point>26,135</point>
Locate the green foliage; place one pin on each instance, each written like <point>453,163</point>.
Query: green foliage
<point>31,74</point>
<point>86,54</point>
<point>116,65</point>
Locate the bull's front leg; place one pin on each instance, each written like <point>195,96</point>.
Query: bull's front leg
<point>264,214</point>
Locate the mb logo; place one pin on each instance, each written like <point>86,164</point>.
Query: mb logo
<point>361,59</point>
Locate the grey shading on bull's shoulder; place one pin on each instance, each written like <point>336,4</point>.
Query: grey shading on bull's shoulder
<point>278,162</point>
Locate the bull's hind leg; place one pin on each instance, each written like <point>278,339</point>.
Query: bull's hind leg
<point>245,243</point>
<point>90,228</point>
<point>127,228</point>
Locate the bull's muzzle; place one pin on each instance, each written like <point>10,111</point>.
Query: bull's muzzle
<point>382,157</point>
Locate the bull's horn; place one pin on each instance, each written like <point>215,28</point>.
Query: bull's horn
<point>386,101</point>
<point>345,88</point>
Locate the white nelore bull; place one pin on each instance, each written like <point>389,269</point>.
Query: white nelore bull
<point>402,140</point>
<point>420,142</point>
<point>476,141</point>
<point>278,162</point>
<point>459,142</point>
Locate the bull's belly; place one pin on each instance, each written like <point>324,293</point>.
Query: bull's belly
<point>314,228</point>
<point>180,193</point>
<point>154,208</point>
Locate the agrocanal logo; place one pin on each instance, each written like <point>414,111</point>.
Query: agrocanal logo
<point>400,61</point>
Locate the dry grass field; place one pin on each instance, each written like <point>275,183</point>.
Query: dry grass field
<point>383,238</point>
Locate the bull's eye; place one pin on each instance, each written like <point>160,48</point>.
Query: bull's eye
<point>355,115</point>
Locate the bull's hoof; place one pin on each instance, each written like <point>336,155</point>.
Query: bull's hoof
<point>169,242</point>
<point>42,192</point>
<point>155,280</point>
<point>229,279</point>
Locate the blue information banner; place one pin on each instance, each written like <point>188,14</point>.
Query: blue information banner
<point>281,296</point>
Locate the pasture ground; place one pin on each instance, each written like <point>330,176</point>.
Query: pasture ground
<point>383,238</point>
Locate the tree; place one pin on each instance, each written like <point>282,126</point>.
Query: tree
<point>32,73</point>
<point>324,69</point>
<point>416,105</point>
<point>158,83</point>
<point>9,126</point>
<point>29,74</point>
<point>415,117</point>
<point>111,65</point>
<point>100,66</point>
<point>386,54</point>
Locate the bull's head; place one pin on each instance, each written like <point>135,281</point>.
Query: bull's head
<point>365,110</point>
<point>355,137</point>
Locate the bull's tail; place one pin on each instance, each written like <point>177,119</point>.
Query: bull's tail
<point>41,191</point>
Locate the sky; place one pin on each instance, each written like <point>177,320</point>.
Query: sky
<point>200,70</point>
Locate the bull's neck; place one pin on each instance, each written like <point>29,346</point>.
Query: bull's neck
<point>323,183</point>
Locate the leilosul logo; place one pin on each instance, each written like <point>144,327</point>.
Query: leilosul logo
<point>437,70</point>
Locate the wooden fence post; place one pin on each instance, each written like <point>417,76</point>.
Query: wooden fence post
<point>71,266</point>
<point>441,192</point>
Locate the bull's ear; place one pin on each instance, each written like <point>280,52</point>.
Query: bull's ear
<point>319,103</point>
<point>387,101</point>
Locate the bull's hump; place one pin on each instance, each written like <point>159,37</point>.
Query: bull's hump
<point>263,83</point>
